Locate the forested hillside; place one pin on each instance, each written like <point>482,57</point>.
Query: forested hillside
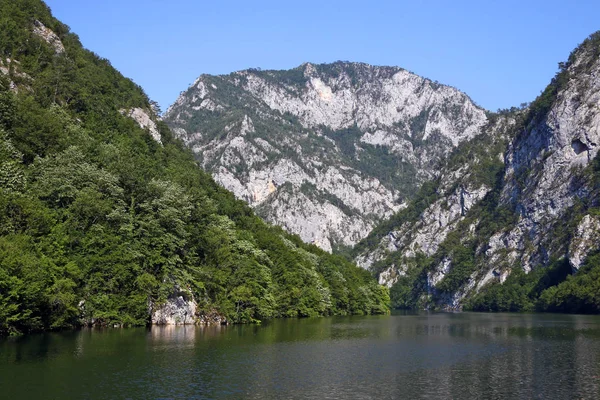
<point>102,223</point>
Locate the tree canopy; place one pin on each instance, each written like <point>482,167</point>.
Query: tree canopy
<point>98,220</point>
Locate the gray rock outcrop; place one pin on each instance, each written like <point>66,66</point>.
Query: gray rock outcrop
<point>144,120</point>
<point>48,36</point>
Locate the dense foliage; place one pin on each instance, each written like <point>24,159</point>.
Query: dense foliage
<point>98,220</point>
<point>579,293</point>
<point>520,291</point>
<point>552,289</point>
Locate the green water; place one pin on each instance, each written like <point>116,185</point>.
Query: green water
<point>437,356</point>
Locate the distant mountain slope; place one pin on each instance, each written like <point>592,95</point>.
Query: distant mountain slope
<point>105,218</point>
<point>326,151</point>
<point>538,207</point>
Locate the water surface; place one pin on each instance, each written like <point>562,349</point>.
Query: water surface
<point>466,355</point>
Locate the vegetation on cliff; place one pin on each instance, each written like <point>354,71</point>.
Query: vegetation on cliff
<point>463,259</point>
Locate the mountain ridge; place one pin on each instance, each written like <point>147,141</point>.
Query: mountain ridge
<point>320,123</point>
<point>326,63</point>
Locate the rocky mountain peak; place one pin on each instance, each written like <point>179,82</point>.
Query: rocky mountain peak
<point>325,150</point>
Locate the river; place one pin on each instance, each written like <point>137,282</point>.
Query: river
<point>434,355</point>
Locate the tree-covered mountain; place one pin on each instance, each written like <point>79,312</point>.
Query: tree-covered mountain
<point>326,151</point>
<point>105,217</point>
<point>512,222</point>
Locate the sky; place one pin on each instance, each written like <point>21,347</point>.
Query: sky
<point>501,53</point>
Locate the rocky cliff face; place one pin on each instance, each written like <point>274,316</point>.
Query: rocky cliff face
<point>145,119</point>
<point>325,151</point>
<point>539,204</point>
<point>457,189</point>
<point>544,175</point>
<point>48,36</point>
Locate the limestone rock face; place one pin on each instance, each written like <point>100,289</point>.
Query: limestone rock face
<point>586,239</point>
<point>325,151</point>
<point>179,309</point>
<point>144,120</point>
<point>48,36</point>
<point>543,175</point>
<point>176,311</point>
<point>457,191</point>
<point>12,69</point>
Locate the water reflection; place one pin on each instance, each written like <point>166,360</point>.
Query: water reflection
<point>399,356</point>
<point>179,336</point>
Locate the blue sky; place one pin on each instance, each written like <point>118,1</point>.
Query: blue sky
<point>501,53</point>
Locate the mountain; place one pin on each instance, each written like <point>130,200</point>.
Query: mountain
<point>512,221</point>
<point>448,205</point>
<point>326,151</point>
<point>107,219</point>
